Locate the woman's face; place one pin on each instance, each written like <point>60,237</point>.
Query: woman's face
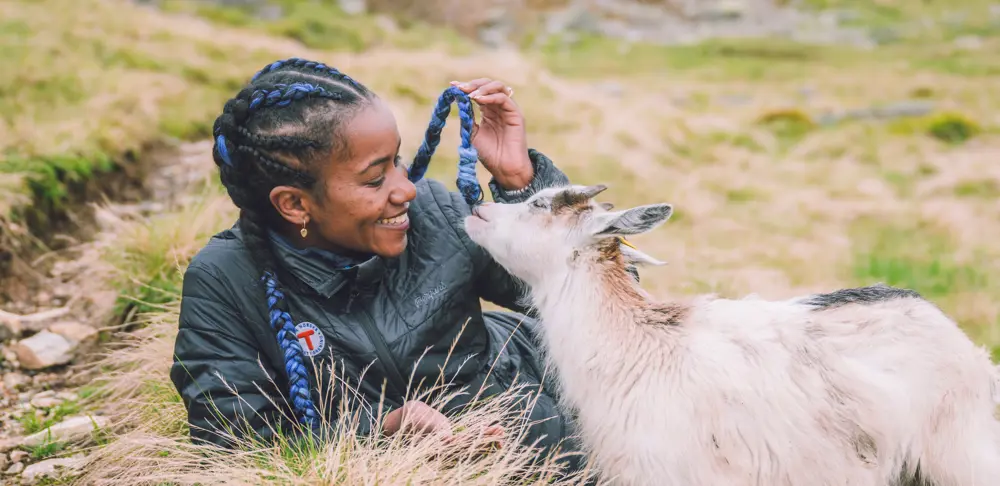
<point>365,189</point>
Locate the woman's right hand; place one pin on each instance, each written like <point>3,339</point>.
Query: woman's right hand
<point>417,417</point>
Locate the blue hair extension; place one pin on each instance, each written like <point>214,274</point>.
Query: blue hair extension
<point>281,324</point>
<point>467,183</point>
<point>285,94</point>
<point>220,142</point>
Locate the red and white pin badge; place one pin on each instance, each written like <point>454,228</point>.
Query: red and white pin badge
<point>311,339</point>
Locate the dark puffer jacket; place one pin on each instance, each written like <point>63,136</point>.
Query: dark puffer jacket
<point>401,314</point>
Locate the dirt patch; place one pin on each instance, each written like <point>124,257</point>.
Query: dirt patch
<point>43,228</point>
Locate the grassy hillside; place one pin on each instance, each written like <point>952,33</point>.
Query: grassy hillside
<point>791,168</point>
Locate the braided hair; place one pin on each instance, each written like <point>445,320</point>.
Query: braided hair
<point>274,133</point>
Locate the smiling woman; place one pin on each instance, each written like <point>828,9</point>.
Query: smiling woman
<point>338,257</point>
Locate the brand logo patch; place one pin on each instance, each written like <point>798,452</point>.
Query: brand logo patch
<point>311,339</point>
<point>430,294</point>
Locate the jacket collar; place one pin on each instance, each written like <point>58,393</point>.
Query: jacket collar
<point>326,272</point>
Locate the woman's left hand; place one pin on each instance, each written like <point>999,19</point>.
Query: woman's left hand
<point>500,138</point>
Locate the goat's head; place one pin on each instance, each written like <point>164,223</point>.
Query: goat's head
<point>558,226</point>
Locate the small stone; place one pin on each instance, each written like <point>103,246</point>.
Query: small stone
<point>9,329</point>
<point>353,7</point>
<point>15,469</point>
<point>4,462</point>
<point>101,304</point>
<point>67,396</point>
<point>721,10</point>
<point>70,430</point>
<point>270,13</point>
<point>969,42</point>
<point>43,350</point>
<point>612,88</point>
<point>8,354</point>
<point>18,456</point>
<point>7,444</point>
<point>386,23</point>
<point>45,402</point>
<point>42,299</point>
<point>52,468</point>
<point>12,381</point>
<point>76,333</point>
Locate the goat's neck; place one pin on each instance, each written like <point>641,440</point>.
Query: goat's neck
<point>588,300</point>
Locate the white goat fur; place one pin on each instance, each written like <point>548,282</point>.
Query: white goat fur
<point>742,392</point>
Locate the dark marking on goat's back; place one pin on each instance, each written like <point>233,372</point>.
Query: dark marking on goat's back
<point>865,448</point>
<point>862,295</point>
<point>914,478</point>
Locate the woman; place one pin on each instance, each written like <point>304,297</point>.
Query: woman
<point>338,256</point>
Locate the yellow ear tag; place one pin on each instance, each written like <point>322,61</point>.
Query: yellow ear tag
<point>626,243</point>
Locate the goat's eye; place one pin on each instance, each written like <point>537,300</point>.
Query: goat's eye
<point>539,204</point>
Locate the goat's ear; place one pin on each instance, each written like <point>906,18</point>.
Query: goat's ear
<point>636,257</point>
<point>631,221</point>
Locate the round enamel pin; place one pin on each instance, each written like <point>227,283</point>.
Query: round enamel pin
<point>311,339</point>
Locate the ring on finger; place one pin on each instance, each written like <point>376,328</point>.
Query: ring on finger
<point>510,92</point>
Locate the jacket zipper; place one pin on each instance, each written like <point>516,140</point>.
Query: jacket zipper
<point>381,348</point>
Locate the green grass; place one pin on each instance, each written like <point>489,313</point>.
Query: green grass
<point>33,423</point>
<point>746,59</point>
<point>914,256</point>
<point>323,25</point>
<point>981,188</point>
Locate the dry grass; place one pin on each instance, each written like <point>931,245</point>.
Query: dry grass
<point>771,209</point>
<point>150,443</point>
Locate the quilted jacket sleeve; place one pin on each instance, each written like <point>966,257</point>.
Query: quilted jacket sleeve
<point>218,369</point>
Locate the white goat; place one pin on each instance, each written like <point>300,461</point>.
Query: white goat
<point>868,386</point>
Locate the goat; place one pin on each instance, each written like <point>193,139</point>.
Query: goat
<point>868,386</point>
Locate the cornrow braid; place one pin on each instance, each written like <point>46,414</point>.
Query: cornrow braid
<point>307,65</point>
<point>253,159</point>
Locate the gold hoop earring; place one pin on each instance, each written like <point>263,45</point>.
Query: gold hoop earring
<point>304,231</point>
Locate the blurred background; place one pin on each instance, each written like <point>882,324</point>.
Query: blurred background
<point>806,145</point>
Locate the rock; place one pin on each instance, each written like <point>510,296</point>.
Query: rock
<point>969,42</point>
<point>612,88</point>
<point>43,350</point>
<point>386,24</point>
<point>7,444</point>
<point>13,380</point>
<point>15,469</point>
<point>3,462</point>
<point>52,468</point>
<point>9,329</point>
<point>45,402</point>
<point>76,333</point>
<point>72,429</point>
<point>18,456</point>
<point>10,357</point>
<point>267,13</point>
<point>903,109</point>
<point>101,304</point>
<point>721,10</point>
<point>353,7</point>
